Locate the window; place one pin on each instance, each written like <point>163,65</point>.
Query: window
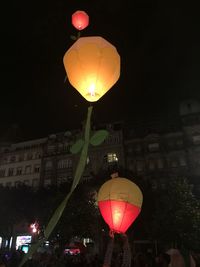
<point>64,163</point>
<point>20,157</point>
<point>51,148</point>
<point>139,166</point>
<point>12,159</point>
<point>179,142</point>
<point>182,161</point>
<point>160,164</point>
<point>112,157</point>
<point>66,147</point>
<point>27,182</point>
<point>17,183</point>
<point>47,182</point>
<point>62,180</point>
<point>137,148</point>
<point>19,171</point>
<point>60,147</point>
<point>10,171</point>
<point>2,172</point>
<point>28,169</point>
<point>196,139</point>
<point>151,164</point>
<point>37,168</point>
<point>153,147</point>
<point>48,165</point>
<point>29,156</point>
<point>174,163</point>
<point>35,182</point>
<point>37,155</point>
<point>5,160</point>
<point>8,184</point>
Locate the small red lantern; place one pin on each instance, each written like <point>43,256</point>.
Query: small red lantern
<point>80,20</point>
<point>119,201</point>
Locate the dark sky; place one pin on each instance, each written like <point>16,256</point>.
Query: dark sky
<point>159,46</point>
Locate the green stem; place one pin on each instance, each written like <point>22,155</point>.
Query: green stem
<point>78,173</point>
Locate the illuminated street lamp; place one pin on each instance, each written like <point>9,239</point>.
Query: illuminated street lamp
<point>34,227</point>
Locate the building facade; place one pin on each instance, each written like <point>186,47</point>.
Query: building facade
<point>20,163</point>
<point>154,151</point>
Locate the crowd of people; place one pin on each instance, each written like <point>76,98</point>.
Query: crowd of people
<point>171,258</point>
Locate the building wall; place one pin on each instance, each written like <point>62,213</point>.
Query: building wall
<point>20,163</point>
<point>154,153</point>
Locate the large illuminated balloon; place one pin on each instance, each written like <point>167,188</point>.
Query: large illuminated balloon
<point>80,20</point>
<point>119,201</point>
<point>92,65</point>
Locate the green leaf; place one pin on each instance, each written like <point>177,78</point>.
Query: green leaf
<point>98,137</point>
<point>74,38</point>
<point>75,148</point>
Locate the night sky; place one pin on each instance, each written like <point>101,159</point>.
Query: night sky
<point>160,62</point>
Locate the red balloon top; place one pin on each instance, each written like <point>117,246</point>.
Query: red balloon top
<point>80,20</point>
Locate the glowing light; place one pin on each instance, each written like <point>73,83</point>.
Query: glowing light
<point>34,227</point>
<point>91,89</point>
<point>92,65</point>
<point>80,20</point>
<point>120,202</point>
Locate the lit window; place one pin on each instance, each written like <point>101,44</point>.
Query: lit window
<point>153,147</point>
<point>112,157</point>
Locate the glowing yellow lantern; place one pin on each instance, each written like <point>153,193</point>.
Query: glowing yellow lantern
<point>92,65</point>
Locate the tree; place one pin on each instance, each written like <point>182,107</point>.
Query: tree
<point>177,214</point>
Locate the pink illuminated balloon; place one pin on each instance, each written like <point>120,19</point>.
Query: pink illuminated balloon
<point>80,20</point>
